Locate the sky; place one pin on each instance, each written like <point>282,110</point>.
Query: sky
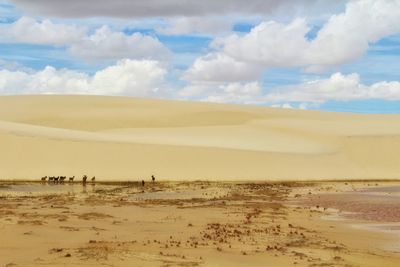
<point>306,54</point>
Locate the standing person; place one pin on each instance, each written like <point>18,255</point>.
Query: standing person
<point>142,182</point>
<point>153,179</point>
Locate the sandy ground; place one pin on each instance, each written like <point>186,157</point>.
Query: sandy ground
<point>118,138</point>
<point>196,224</point>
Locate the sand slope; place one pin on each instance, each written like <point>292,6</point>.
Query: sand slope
<point>119,138</point>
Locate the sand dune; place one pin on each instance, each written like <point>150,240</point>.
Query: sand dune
<point>118,138</point>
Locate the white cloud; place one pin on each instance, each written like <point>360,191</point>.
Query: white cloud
<point>243,58</point>
<point>147,78</point>
<point>236,93</point>
<point>103,44</point>
<point>223,92</point>
<point>220,67</point>
<point>107,44</point>
<point>269,44</point>
<point>346,36</point>
<point>295,105</point>
<point>284,105</point>
<point>343,38</point>
<point>127,77</point>
<point>28,30</point>
<point>196,25</point>
<point>338,87</point>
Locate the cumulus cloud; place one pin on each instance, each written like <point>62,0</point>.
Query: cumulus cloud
<point>235,92</point>
<point>28,30</point>
<point>295,105</point>
<point>107,44</point>
<point>126,77</point>
<point>103,44</point>
<point>165,8</point>
<point>337,87</point>
<point>344,37</point>
<point>147,78</point>
<point>230,71</point>
<point>243,58</point>
<point>220,67</point>
<point>196,25</point>
<point>271,44</point>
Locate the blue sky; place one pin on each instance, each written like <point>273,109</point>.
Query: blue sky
<point>297,55</point>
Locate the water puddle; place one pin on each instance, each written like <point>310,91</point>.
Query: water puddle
<point>377,209</point>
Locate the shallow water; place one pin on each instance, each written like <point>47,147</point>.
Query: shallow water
<point>134,192</point>
<point>44,188</point>
<point>387,191</point>
<point>374,209</point>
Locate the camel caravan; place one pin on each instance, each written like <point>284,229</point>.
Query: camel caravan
<point>62,179</point>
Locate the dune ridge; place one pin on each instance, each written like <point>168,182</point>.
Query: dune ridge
<point>121,138</point>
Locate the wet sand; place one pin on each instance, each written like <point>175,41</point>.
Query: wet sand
<point>199,224</point>
<point>379,204</point>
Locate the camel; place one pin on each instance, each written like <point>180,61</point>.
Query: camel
<point>51,178</point>
<point>71,179</point>
<point>44,178</point>
<point>62,178</point>
<point>56,179</point>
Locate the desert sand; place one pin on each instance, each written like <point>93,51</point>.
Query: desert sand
<point>200,224</point>
<point>235,185</point>
<point>128,139</point>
